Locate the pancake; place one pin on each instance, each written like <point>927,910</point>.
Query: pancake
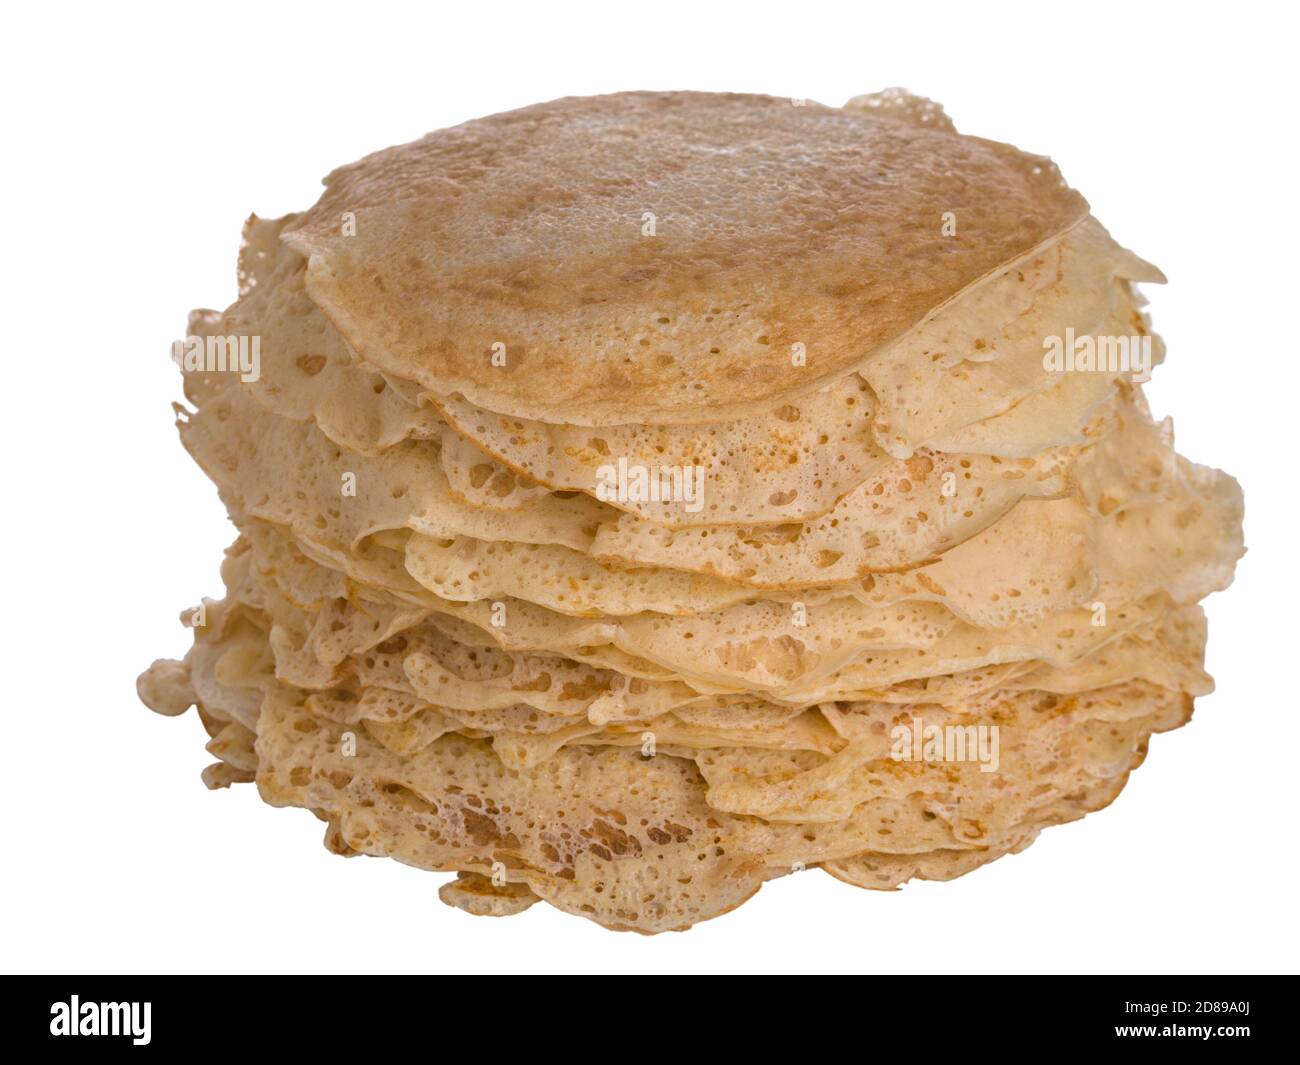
<point>643,497</point>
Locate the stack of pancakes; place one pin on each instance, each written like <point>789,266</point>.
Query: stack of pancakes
<point>644,496</point>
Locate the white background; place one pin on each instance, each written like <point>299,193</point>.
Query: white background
<point>137,140</point>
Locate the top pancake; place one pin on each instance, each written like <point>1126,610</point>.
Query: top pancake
<point>774,226</point>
